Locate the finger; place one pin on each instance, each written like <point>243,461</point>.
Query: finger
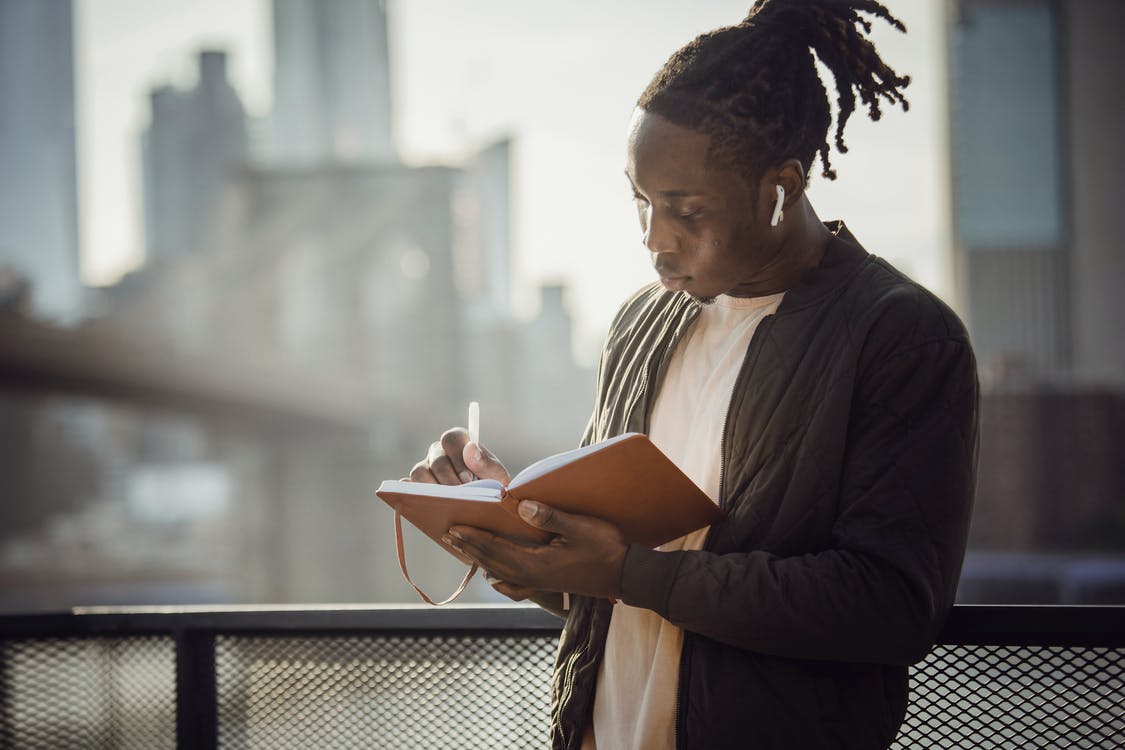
<point>453,445</point>
<point>545,517</point>
<point>506,559</point>
<point>474,543</point>
<point>440,465</point>
<point>481,462</point>
<point>421,473</point>
<point>513,592</point>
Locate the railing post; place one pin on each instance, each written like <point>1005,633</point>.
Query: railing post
<point>197,715</point>
<point>5,729</point>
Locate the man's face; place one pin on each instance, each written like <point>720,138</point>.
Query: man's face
<point>706,234</point>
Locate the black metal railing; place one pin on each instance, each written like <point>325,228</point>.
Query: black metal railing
<point>465,677</point>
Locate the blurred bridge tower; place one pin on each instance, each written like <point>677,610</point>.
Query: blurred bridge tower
<point>332,98</point>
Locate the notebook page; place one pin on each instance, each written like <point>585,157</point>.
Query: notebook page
<point>550,463</point>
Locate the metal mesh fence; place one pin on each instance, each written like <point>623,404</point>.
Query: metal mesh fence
<point>88,693</point>
<point>384,692</point>
<point>992,697</point>
<point>485,691</point>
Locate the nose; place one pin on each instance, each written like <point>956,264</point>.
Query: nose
<point>659,236</point>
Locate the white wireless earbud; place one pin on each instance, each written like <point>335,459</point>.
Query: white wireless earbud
<point>777,214</point>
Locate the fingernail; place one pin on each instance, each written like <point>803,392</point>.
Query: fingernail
<point>529,509</point>
<point>456,535</point>
<point>474,452</point>
<point>465,476</point>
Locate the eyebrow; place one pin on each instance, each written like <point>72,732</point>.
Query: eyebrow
<point>669,193</point>
<point>680,193</point>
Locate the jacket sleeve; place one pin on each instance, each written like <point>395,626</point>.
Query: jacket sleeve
<point>880,590</point>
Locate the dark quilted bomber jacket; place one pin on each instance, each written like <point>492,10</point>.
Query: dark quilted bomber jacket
<point>848,471</point>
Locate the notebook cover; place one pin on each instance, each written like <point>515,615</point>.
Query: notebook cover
<point>630,483</point>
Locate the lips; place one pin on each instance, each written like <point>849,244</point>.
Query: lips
<point>674,283</point>
<point>668,277</point>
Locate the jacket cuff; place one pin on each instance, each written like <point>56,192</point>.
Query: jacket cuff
<point>647,577</point>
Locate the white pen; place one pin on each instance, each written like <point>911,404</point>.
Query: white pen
<point>474,422</point>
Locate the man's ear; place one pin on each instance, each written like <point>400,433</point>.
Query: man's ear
<point>791,176</point>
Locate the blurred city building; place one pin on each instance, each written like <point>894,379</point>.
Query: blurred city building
<point>195,142</point>
<point>1052,477</point>
<point>482,253</point>
<point>39,190</point>
<point>1037,115</point>
<point>332,92</point>
<point>1037,111</point>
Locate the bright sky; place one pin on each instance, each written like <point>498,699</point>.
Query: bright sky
<point>561,79</point>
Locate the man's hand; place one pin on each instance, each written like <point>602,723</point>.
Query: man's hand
<point>585,557</point>
<point>454,460</point>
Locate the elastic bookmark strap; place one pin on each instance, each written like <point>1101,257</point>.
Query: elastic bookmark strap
<point>406,575</point>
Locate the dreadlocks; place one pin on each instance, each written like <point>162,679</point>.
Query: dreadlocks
<point>755,90</point>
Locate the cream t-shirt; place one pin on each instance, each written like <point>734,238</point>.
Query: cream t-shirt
<point>635,704</point>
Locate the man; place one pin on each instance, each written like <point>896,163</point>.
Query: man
<point>827,403</point>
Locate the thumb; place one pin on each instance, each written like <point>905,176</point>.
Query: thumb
<point>551,519</point>
<point>481,462</point>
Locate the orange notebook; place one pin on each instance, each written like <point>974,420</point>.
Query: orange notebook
<point>625,480</point>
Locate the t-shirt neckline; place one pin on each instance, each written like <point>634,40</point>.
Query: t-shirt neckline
<point>747,303</point>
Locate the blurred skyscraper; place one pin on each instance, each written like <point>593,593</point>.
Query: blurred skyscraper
<point>194,145</point>
<point>38,191</point>
<point>1038,108</point>
<point>331,82</point>
<point>483,212</point>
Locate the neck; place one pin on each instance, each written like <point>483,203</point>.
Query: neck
<point>800,248</point>
<point>806,241</point>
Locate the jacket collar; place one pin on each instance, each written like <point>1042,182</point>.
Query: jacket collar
<point>842,259</point>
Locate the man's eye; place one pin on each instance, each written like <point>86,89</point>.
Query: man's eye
<point>639,198</point>
<point>689,215</point>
